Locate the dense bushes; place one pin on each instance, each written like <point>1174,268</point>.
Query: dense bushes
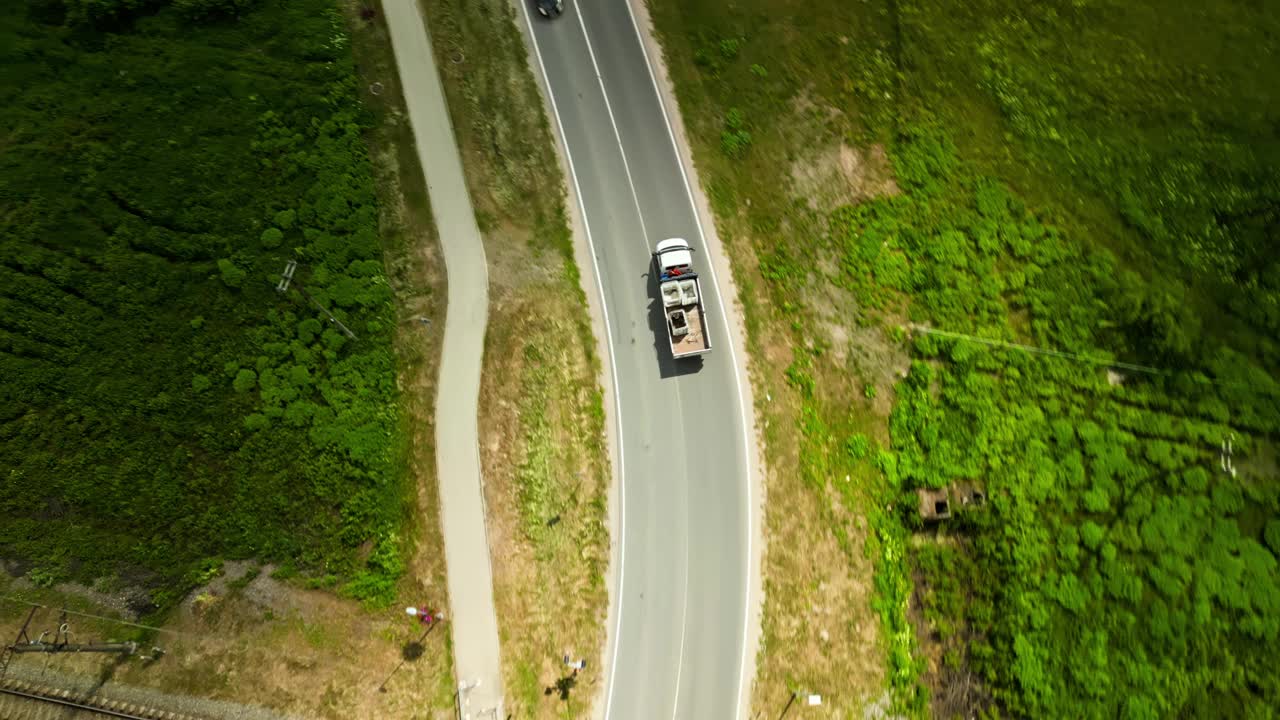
<point>160,403</point>
<point>1118,570</point>
<point>113,13</point>
<point>1204,192</point>
<point>1131,573</point>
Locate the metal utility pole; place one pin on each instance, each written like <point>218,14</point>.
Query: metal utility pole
<point>810,699</point>
<point>24,644</point>
<point>289,268</point>
<point>126,648</point>
<point>283,286</point>
<point>7,654</point>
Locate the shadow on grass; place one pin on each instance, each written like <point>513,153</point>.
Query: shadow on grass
<point>563,686</point>
<point>410,652</point>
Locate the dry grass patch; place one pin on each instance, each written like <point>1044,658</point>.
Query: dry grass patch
<point>822,368</point>
<point>820,632</point>
<point>252,639</point>
<point>541,415</point>
<point>546,485</point>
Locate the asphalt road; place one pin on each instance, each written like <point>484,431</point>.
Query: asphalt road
<point>677,650</point>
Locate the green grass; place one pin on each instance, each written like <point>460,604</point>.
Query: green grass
<point>536,474</point>
<point>1093,177</point>
<point>160,403</point>
<point>546,469</point>
<point>528,689</point>
<point>1167,153</point>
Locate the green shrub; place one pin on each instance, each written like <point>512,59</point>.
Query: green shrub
<point>42,577</point>
<point>245,380</point>
<point>376,584</point>
<point>1272,536</point>
<point>308,330</point>
<point>232,276</point>
<point>93,12</point>
<point>208,9</point>
<point>857,446</point>
<point>149,329</point>
<point>735,140</point>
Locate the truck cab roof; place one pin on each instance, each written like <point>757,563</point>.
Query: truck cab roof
<point>673,253</point>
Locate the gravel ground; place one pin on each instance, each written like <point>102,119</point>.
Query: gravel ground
<point>123,601</point>
<point>36,672</point>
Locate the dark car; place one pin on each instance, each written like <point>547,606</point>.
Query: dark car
<point>550,8</point>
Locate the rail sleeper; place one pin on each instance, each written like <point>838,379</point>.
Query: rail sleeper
<point>91,702</point>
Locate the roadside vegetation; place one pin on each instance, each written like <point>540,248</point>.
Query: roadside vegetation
<point>541,413</point>
<point>146,145</point>
<point>163,406</point>
<point>1098,180</point>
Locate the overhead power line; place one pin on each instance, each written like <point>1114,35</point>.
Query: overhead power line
<point>1042,351</point>
<point>89,615</point>
<point>286,278</point>
<point>1100,362</point>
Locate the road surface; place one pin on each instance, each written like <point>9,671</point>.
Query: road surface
<point>471,612</point>
<point>681,593</point>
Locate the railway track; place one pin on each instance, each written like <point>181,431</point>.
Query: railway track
<point>27,701</point>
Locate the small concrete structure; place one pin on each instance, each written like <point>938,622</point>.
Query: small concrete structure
<point>935,505</point>
<point>969,494</point>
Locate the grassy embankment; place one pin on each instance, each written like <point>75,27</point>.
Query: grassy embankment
<point>542,425</point>
<point>149,160</point>
<point>1099,180</point>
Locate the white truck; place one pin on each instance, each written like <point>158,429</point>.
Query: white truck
<point>681,296</point>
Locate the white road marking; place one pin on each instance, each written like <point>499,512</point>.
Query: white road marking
<point>635,198</point>
<point>626,167</point>
<point>617,400</point>
<point>684,614</point>
<point>742,408</point>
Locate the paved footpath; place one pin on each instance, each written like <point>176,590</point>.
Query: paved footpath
<point>471,613</point>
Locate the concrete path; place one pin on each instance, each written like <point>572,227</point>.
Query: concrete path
<point>471,612</point>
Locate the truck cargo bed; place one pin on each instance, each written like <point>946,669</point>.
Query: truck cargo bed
<point>683,309</point>
<point>693,341</point>
<point>680,292</point>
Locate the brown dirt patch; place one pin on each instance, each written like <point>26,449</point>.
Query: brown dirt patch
<point>842,175</point>
<point>955,690</point>
<point>268,643</point>
<point>857,350</point>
